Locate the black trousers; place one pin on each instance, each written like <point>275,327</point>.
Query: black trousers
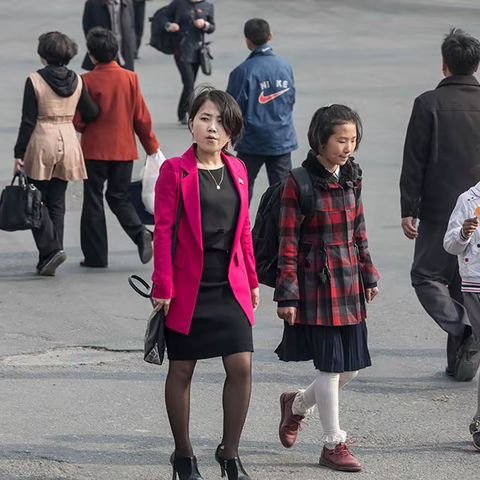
<point>93,226</point>
<point>49,237</point>
<point>188,72</point>
<point>437,283</point>
<point>139,8</point>
<point>277,167</point>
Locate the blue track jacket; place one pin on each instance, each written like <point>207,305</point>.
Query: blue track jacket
<point>263,87</point>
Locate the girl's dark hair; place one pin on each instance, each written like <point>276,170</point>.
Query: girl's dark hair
<point>325,120</point>
<point>232,116</point>
<point>56,48</point>
<point>102,44</point>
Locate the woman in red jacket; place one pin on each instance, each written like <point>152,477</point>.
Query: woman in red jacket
<point>209,289</point>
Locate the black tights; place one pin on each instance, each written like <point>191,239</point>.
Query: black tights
<point>236,398</point>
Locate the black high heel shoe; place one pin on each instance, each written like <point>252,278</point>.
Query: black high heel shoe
<point>231,466</point>
<point>185,467</point>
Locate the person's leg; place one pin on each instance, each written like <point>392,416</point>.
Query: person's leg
<point>187,73</point>
<point>56,205</point>
<point>236,399</point>
<point>46,237</point>
<point>433,270</point>
<point>139,8</point>
<point>93,226</point>
<point>277,167</point>
<point>118,198</point>
<point>177,398</point>
<point>254,164</point>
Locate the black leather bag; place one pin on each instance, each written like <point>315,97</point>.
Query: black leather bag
<point>206,58</point>
<point>154,345</point>
<point>20,205</point>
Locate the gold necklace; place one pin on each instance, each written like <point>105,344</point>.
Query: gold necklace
<point>218,184</point>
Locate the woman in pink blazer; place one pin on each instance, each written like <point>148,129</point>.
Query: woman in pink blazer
<point>209,289</point>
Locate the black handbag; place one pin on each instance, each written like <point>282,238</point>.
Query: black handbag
<point>206,58</point>
<point>20,205</point>
<point>154,344</point>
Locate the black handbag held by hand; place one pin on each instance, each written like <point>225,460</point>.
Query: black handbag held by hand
<point>206,58</point>
<point>154,346</point>
<point>20,205</point>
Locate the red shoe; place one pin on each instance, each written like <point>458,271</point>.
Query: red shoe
<point>340,458</point>
<point>289,423</point>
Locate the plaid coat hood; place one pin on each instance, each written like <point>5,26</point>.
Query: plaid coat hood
<point>325,265</point>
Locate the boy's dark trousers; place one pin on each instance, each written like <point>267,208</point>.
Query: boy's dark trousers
<point>277,167</point>
<point>49,237</point>
<point>139,9</point>
<point>437,283</point>
<point>93,227</point>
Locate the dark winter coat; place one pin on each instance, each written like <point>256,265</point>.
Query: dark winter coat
<point>325,266</point>
<point>442,149</point>
<point>96,14</point>
<point>189,38</point>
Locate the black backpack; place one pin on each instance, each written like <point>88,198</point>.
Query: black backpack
<point>265,230</point>
<point>160,39</point>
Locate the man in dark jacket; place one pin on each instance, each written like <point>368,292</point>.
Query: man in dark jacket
<point>440,158</point>
<point>263,87</point>
<point>117,16</point>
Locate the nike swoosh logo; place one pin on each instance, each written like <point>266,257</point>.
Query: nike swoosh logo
<point>265,99</point>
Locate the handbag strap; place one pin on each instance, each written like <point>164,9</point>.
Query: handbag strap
<point>179,214</point>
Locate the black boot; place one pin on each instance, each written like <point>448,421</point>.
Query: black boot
<point>185,467</point>
<point>231,466</point>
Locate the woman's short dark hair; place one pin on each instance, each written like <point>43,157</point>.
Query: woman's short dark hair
<point>325,120</point>
<point>56,48</point>
<point>102,44</point>
<point>232,116</point>
<point>257,31</point>
<point>461,52</point>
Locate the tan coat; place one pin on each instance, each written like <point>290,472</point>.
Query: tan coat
<point>54,150</point>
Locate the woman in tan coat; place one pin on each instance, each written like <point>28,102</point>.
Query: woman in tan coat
<point>47,147</point>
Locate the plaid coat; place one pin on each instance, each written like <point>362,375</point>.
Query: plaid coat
<point>325,265</point>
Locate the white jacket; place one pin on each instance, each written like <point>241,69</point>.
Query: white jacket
<point>468,251</point>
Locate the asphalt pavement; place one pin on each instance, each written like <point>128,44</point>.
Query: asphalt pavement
<point>76,399</point>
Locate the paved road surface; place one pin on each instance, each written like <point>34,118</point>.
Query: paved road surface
<point>68,412</point>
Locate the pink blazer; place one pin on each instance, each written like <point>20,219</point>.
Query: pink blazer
<point>179,279</point>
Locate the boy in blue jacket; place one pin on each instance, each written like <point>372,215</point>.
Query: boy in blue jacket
<point>263,87</point>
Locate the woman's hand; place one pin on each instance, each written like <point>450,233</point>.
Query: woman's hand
<point>160,303</point>
<point>18,165</point>
<point>469,226</point>
<point>289,314</point>
<point>371,293</point>
<point>173,27</point>
<point>255,297</point>
<point>199,23</point>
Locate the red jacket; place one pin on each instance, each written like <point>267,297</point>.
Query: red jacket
<point>123,113</point>
<point>179,278</point>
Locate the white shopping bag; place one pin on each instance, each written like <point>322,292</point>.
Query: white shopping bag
<point>149,176</point>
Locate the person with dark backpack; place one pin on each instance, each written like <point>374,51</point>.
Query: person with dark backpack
<point>325,278</point>
<point>188,21</point>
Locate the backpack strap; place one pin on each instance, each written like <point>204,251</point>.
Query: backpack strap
<point>305,186</point>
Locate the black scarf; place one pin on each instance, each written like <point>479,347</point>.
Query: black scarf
<point>62,80</point>
<point>350,173</point>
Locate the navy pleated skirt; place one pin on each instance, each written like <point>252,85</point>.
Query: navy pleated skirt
<point>332,349</point>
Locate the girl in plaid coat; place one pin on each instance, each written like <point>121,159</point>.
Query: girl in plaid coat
<point>325,277</point>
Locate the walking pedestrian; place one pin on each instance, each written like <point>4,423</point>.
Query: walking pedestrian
<point>325,276</point>
<point>47,147</point>
<point>263,87</point>
<point>209,289</point>
<point>441,148</point>
<point>139,12</point>
<point>110,148</point>
<point>119,17</point>
<point>190,20</point>
<point>463,239</point>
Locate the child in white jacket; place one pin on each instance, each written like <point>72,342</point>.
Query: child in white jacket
<point>463,239</point>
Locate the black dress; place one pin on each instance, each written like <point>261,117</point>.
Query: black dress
<point>219,327</point>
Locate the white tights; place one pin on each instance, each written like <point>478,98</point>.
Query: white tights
<point>323,392</point>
